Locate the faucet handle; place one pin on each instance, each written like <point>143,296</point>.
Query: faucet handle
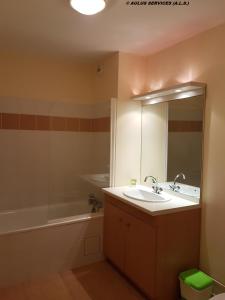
<point>157,189</point>
<point>174,187</point>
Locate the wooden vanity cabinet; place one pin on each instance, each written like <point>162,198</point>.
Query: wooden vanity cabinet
<point>114,235</point>
<point>125,244</point>
<point>151,250</point>
<point>140,253</point>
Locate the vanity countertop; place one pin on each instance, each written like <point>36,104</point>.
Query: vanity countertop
<point>176,204</point>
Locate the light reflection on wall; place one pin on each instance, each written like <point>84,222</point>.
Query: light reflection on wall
<point>136,91</point>
<point>137,84</point>
<point>156,85</point>
<point>188,75</point>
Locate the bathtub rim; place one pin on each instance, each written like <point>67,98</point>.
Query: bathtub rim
<point>57,222</point>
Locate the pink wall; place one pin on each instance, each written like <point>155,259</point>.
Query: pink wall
<point>43,77</point>
<point>202,59</point>
<point>106,81</point>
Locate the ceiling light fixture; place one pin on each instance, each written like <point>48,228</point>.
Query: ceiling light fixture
<point>88,7</point>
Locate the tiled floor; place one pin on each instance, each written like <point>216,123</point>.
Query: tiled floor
<point>96,282</point>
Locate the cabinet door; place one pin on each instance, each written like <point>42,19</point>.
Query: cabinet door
<point>114,240</point>
<point>140,257</point>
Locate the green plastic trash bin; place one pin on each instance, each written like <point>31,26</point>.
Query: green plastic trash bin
<point>195,285</point>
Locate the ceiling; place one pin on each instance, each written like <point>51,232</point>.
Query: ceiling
<point>52,26</point>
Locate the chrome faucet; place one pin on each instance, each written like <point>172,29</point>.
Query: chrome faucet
<point>156,188</point>
<point>94,202</point>
<point>174,187</point>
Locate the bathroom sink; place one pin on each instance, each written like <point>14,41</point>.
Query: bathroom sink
<point>185,189</point>
<point>145,195</point>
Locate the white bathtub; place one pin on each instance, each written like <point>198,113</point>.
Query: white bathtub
<point>64,210</point>
<point>38,241</point>
<point>34,217</point>
<point>15,220</point>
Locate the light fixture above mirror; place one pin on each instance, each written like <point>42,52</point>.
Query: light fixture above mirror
<point>88,7</point>
<point>181,91</point>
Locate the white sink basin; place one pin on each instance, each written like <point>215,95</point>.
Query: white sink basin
<point>185,189</point>
<point>144,195</point>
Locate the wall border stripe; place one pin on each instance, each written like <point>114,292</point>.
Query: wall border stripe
<point>53,123</point>
<point>185,126</point>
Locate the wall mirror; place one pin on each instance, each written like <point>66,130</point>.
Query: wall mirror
<point>172,138</point>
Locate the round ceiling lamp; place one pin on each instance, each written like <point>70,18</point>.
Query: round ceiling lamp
<point>88,7</point>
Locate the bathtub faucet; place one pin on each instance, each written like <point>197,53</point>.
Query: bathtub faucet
<point>95,202</point>
<point>91,198</point>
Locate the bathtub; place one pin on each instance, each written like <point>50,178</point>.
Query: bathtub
<point>36,242</point>
<point>34,217</point>
<point>60,210</point>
